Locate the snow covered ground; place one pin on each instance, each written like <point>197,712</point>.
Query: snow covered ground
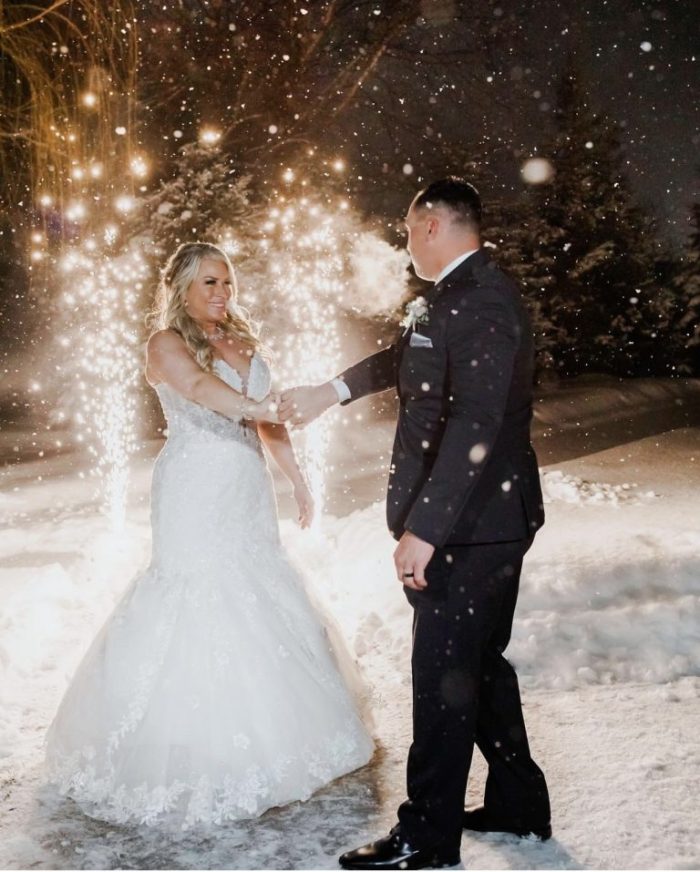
<point>607,643</point>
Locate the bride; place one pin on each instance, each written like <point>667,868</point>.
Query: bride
<point>212,693</point>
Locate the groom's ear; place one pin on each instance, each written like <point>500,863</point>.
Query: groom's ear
<point>432,224</point>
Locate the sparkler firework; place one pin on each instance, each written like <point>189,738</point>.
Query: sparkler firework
<point>307,273</point>
<point>103,297</point>
<point>310,254</point>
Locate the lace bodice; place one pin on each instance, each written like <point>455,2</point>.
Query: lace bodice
<point>187,419</point>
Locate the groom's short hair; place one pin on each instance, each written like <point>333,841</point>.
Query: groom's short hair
<point>457,195</point>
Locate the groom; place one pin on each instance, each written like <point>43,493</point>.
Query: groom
<point>464,503</point>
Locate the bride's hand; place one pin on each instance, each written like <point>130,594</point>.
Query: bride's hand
<point>300,406</point>
<point>265,410</point>
<point>305,502</point>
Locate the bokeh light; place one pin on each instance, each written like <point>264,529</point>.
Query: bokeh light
<point>537,171</point>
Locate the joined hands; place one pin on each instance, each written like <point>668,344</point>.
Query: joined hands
<point>266,410</point>
<point>301,405</point>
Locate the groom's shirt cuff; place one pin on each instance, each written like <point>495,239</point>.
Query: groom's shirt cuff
<point>342,390</point>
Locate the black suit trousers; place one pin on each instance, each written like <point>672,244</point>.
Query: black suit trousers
<point>466,692</point>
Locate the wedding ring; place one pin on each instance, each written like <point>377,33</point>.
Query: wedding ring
<point>408,575</point>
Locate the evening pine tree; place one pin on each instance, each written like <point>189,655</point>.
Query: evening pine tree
<point>519,233</point>
<point>205,200</point>
<point>601,250</point>
<point>688,285</point>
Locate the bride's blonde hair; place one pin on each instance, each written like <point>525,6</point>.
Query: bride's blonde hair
<point>170,310</point>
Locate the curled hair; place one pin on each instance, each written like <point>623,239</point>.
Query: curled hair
<point>170,312</point>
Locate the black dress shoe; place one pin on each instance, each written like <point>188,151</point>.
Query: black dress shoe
<point>481,821</point>
<point>394,852</point>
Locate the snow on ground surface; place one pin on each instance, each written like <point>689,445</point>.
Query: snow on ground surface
<point>606,642</point>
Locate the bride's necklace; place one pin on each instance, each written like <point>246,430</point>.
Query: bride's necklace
<point>215,335</point>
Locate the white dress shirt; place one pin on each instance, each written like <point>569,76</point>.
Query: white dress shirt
<point>341,388</point>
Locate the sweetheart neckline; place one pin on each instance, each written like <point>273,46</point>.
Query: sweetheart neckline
<point>245,383</point>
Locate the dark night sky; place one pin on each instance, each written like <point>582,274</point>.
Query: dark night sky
<point>653,93</point>
<point>637,60</point>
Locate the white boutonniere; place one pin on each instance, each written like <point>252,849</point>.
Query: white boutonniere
<point>416,313</point>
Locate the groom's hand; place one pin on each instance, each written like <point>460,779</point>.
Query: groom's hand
<point>411,557</point>
<point>300,406</point>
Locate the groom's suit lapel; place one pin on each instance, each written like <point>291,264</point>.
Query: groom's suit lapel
<point>464,274</point>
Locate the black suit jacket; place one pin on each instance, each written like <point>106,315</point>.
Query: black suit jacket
<point>463,470</point>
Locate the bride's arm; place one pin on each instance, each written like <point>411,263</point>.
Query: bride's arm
<point>169,359</point>
<point>276,439</point>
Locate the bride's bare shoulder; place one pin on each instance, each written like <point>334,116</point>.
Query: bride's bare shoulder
<point>166,352</point>
<point>165,340</point>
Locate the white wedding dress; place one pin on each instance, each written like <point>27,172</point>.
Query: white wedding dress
<point>213,692</point>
